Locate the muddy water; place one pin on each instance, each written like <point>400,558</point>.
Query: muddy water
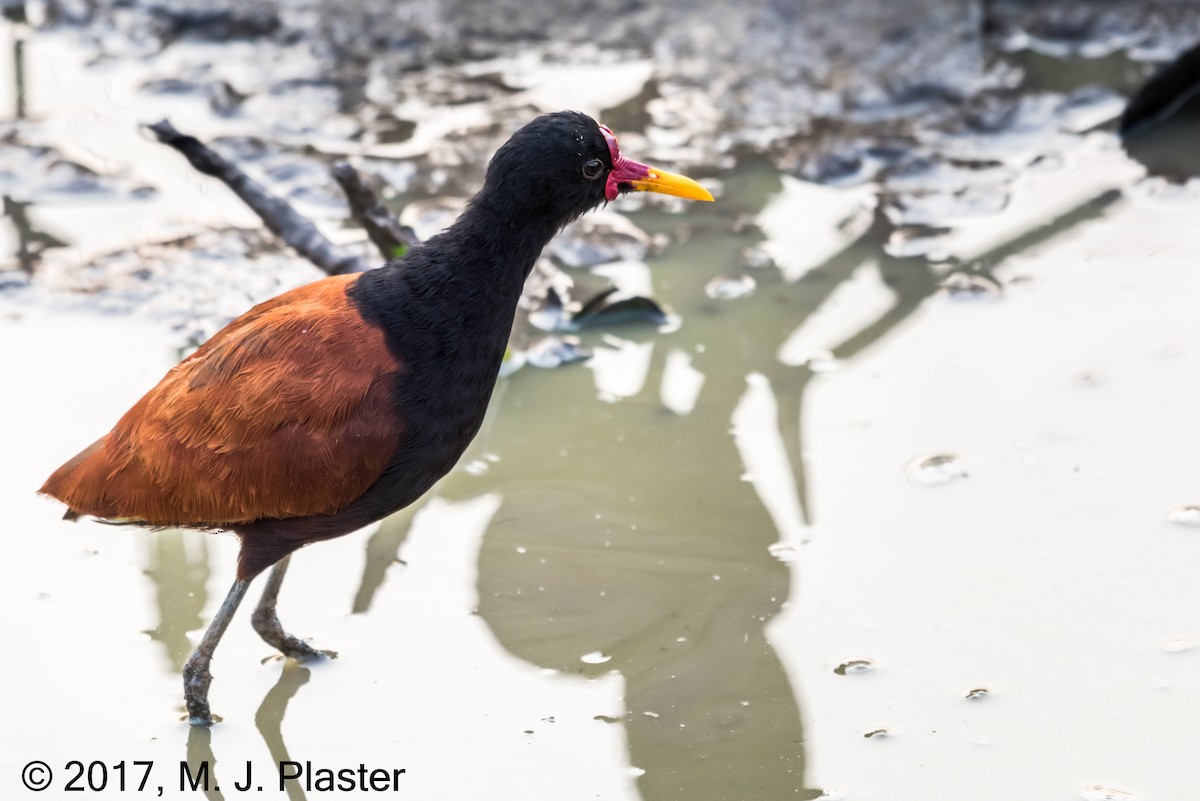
<point>857,533</point>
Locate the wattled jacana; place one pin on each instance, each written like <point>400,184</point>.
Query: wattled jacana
<point>340,402</point>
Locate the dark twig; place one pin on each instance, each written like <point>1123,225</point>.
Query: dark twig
<point>281,218</point>
<point>388,235</point>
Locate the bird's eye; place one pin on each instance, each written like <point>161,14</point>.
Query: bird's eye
<point>592,169</point>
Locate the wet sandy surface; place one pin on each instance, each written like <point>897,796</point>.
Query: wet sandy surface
<point>864,529</point>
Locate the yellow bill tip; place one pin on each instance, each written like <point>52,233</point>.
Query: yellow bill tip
<point>668,183</point>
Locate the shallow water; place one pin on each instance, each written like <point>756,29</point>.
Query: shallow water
<point>854,533</point>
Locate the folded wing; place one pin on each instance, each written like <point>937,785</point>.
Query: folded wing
<point>263,421</point>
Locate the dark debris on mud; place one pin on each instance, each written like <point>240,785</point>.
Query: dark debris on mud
<point>803,80</point>
<point>942,106</point>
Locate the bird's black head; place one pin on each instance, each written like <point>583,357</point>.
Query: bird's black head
<point>564,164</point>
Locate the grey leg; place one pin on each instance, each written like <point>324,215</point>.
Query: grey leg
<point>196,676</point>
<point>266,621</point>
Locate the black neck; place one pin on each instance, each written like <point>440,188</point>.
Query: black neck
<point>486,252</point>
<point>455,295</point>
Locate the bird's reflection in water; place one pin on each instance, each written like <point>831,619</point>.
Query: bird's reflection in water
<point>678,612</point>
<point>201,761</point>
<point>179,569</point>
<point>201,758</point>
<point>383,548</point>
<point>269,717</point>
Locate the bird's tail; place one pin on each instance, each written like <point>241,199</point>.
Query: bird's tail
<point>80,483</point>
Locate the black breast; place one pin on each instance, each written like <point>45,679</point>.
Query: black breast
<point>451,345</point>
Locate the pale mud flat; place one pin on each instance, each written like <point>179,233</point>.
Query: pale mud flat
<point>1049,574</point>
<point>708,563</point>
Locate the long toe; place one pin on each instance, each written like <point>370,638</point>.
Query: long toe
<point>297,649</point>
<point>266,623</point>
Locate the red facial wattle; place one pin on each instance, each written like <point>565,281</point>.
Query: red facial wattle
<point>644,178</point>
<point>623,170</point>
